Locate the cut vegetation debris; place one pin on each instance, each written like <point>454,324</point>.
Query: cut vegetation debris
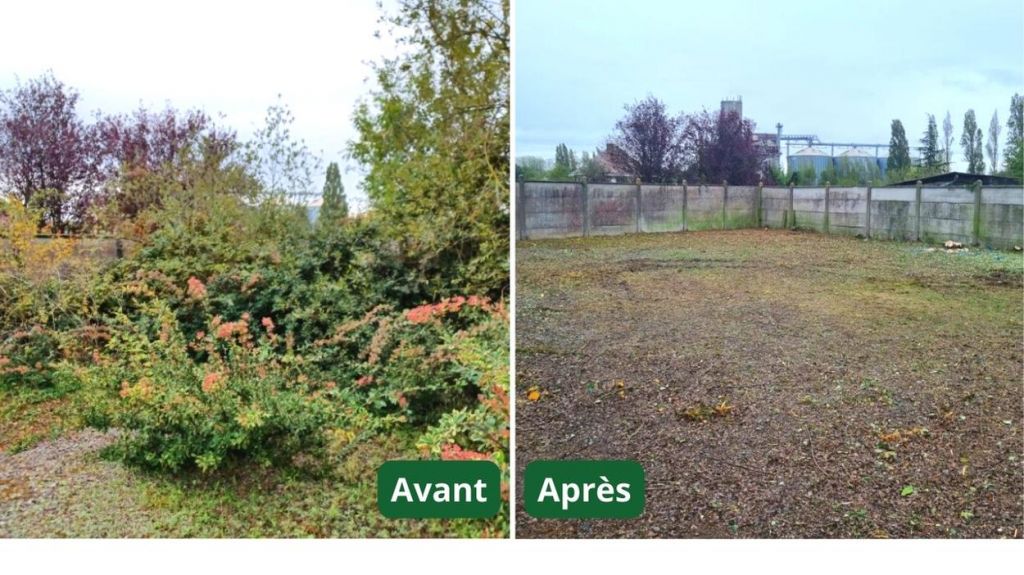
<point>872,382</point>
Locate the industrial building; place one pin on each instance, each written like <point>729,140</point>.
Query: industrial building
<point>813,152</point>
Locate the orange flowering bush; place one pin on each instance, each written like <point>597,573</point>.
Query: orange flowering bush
<point>442,366</point>
<point>244,400</point>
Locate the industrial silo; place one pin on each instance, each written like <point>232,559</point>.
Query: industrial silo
<point>883,164</point>
<point>857,164</point>
<point>855,158</point>
<point>809,157</point>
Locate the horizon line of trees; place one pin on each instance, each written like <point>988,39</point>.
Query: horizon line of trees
<point>936,156</point>
<point>658,147</point>
<point>85,174</point>
<point>650,144</point>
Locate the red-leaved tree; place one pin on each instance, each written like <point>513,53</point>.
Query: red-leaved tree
<point>47,154</point>
<point>138,150</point>
<point>646,142</point>
<point>721,147</point>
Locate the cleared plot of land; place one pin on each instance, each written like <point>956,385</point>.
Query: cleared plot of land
<point>777,384</point>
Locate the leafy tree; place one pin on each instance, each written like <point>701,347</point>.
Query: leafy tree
<point>947,140</point>
<point>283,165</point>
<point>531,168</point>
<point>721,147</point>
<point>434,137</point>
<point>146,141</point>
<point>647,142</point>
<point>591,167</point>
<point>931,155</point>
<point>135,148</point>
<point>992,147</point>
<point>44,145</point>
<point>334,206</point>
<point>971,143</point>
<point>1013,158</point>
<point>899,149</point>
<point>565,163</point>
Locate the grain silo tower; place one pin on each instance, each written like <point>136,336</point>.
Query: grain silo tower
<point>809,157</point>
<point>856,159</point>
<point>883,164</point>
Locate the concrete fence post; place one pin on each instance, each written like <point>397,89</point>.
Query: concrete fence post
<point>828,187</point>
<point>791,224</point>
<point>867,215</point>
<point>639,206</point>
<point>917,212</point>
<point>976,221</point>
<point>725,201</point>
<point>585,202</point>
<point>686,193</point>
<point>521,210</point>
<point>757,203</point>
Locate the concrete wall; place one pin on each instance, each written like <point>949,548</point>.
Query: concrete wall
<point>991,216</point>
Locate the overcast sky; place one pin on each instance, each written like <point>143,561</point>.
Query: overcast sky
<point>841,71</point>
<point>225,58</point>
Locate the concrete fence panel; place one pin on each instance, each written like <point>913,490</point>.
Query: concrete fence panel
<point>661,208</point>
<point>551,209</point>
<point>739,208</point>
<point>991,216</point>
<point>809,208</point>
<point>704,207</point>
<point>848,211</point>
<point>893,215</point>
<point>613,208</point>
<point>1001,222</point>
<point>947,214</point>
<point>774,207</point>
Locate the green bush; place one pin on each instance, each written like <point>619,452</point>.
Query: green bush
<point>249,400</point>
<point>27,357</point>
<point>442,367</point>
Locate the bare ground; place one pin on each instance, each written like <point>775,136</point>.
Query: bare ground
<point>863,389</point>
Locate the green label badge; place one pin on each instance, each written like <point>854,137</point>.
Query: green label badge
<point>441,489</point>
<point>584,489</point>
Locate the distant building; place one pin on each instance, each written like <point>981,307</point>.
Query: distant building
<point>613,174</point>
<point>733,106</point>
<point>956,179</point>
<point>766,142</point>
<point>809,158</point>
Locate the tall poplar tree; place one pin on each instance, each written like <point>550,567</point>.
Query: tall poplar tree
<point>971,142</point>
<point>899,148</point>
<point>1013,155</point>
<point>947,140</point>
<point>931,155</point>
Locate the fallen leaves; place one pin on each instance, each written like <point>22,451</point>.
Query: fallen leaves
<point>898,436</point>
<point>701,412</point>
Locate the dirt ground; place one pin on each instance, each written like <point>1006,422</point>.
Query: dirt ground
<point>776,383</point>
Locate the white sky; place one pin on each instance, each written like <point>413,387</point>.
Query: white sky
<point>840,70</point>
<point>224,58</point>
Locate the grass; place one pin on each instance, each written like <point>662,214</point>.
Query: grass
<point>28,416</point>
<point>56,481</point>
<point>821,344</point>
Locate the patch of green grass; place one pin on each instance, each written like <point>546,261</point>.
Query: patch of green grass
<point>29,415</point>
<point>254,501</point>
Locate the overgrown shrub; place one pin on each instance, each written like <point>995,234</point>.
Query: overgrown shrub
<point>249,399</point>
